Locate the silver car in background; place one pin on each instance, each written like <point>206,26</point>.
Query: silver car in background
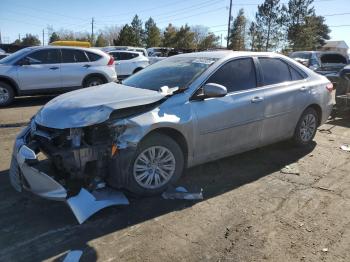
<point>180,112</point>
<point>52,69</point>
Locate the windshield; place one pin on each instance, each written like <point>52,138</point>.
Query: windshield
<point>171,72</point>
<point>14,57</point>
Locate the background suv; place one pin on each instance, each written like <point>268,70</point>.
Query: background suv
<point>43,70</point>
<point>129,62</point>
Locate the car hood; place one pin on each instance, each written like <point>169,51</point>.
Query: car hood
<point>92,105</point>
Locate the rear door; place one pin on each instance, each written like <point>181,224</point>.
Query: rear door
<point>75,66</point>
<point>232,123</point>
<point>286,94</point>
<point>43,72</point>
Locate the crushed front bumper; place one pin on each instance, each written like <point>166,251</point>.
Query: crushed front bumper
<point>24,175</point>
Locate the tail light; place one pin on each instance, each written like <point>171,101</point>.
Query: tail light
<point>329,87</point>
<point>111,61</point>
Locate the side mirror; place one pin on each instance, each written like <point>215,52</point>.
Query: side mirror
<point>214,90</point>
<point>23,61</point>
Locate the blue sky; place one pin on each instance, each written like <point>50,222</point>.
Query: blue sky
<point>32,16</point>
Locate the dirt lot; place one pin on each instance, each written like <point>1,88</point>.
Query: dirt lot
<point>251,210</point>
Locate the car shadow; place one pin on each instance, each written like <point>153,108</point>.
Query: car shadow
<point>28,101</point>
<point>34,229</point>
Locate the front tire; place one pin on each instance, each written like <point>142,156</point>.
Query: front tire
<point>306,128</point>
<point>7,94</point>
<point>158,163</point>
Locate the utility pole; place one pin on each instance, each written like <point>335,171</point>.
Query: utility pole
<point>221,40</point>
<point>43,37</point>
<point>92,31</point>
<point>229,25</point>
<point>19,37</point>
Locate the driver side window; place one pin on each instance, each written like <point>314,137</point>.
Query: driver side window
<point>51,56</point>
<point>236,75</point>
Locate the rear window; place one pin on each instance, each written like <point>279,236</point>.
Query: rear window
<point>93,57</point>
<point>301,55</point>
<point>73,56</point>
<point>274,71</point>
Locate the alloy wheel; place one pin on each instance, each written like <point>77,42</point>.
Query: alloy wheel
<point>154,167</point>
<point>4,95</point>
<point>308,127</point>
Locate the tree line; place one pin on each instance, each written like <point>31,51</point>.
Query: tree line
<point>276,26</point>
<point>287,27</point>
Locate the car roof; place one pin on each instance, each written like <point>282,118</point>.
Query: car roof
<point>125,51</point>
<point>227,53</point>
<point>93,50</point>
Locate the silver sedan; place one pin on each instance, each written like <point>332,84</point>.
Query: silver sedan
<point>183,111</point>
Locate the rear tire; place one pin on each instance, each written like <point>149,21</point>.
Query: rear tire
<point>306,128</point>
<point>151,176</point>
<point>7,94</point>
<point>94,81</point>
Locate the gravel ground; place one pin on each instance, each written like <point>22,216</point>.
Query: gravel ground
<point>252,211</point>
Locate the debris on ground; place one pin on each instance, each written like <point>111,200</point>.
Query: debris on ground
<point>325,249</point>
<point>182,193</point>
<point>73,256</point>
<point>85,204</point>
<point>292,169</point>
<point>345,148</point>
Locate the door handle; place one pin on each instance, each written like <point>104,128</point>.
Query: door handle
<point>54,68</point>
<point>303,89</point>
<point>117,63</point>
<point>86,66</point>
<point>257,99</point>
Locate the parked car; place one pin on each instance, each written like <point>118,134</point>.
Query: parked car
<point>342,94</point>
<point>42,70</point>
<point>180,112</point>
<point>325,63</point>
<point>125,48</point>
<point>128,62</point>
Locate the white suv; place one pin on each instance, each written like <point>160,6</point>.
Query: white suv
<point>53,69</point>
<point>128,62</point>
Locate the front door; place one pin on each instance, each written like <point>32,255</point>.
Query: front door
<point>42,70</point>
<point>232,123</point>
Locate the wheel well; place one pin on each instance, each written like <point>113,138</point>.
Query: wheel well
<point>94,75</point>
<point>137,69</point>
<point>176,135</point>
<point>10,82</point>
<point>318,110</point>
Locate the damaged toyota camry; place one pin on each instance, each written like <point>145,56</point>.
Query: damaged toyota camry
<point>180,112</point>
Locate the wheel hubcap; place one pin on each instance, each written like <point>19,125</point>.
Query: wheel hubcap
<point>94,83</point>
<point>154,167</point>
<point>308,127</point>
<point>4,95</point>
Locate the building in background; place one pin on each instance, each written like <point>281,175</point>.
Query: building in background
<point>336,46</point>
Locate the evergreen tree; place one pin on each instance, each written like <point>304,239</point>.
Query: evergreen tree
<point>54,37</point>
<point>238,32</point>
<point>137,31</point>
<point>126,36</point>
<point>101,41</point>
<point>184,38</point>
<point>300,21</point>
<point>30,40</point>
<point>152,33</point>
<point>169,36</point>
<point>268,20</point>
<point>210,41</point>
